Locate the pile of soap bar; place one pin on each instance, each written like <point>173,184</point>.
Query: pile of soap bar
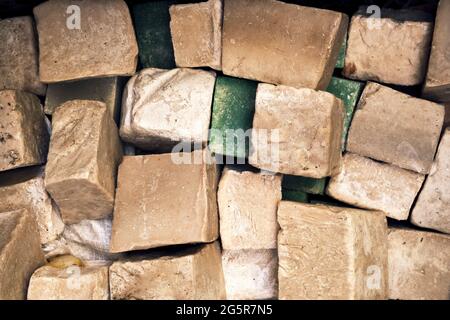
<point>224,149</point>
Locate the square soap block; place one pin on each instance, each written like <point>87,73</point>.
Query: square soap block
<point>165,199</point>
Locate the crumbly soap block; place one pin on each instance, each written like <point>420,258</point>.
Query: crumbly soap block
<point>20,253</point>
<point>250,274</point>
<point>107,90</point>
<point>191,274</point>
<point>248,203</point>
<point>152,24</point>
<point>70,283</point>
<point>374,45</point>
<point>368,184</point>
<point>23,131</point>
<point>24,188</point>
<point>164,107</point>
<point>437,84</point>
<point>232,116</point>
<point>296,131</point>
<point>419,265</point>
<point>375,131</point>
<point>155,193</point>
<point>349,92</point>
<point>432,209</point>
<point>329,252</point>
<point>275,42</point>
<point>85,151</point>
<point>96,40</point>
<point>196,31</point>
<point>19,56</point>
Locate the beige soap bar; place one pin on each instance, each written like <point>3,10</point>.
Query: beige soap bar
<point>329,252</point>
<point>23,131</point>
<point>392,48</point>
<point>250,274</point>
<point>85,39</point>
<point>419,265</point>
<point>84,153</point>
<point>368,184</point>
<point>191,274</point>
<point>196,31</point>
<point>432,209</point>
<point>165,199</point>
<point>69,283</point>
<point>162,108</point>
<point>296,131</point>
<point>20,253</point>
<point>248,203</point>
<point>437,84</point>
<point>396,128</point>
<point>24,188</point>
<point>276,42</point>
<point>19,56</point>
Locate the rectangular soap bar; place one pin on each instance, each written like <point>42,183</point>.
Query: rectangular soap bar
<point>232,115</point>
<point>151,21</point>
<point>327,252</point>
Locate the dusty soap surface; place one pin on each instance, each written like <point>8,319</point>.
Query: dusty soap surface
<point>85,151</point>
<point>189,274</point>
<point>102,44</point>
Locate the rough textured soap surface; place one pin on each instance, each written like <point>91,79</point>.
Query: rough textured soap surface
<point>107,90</point>
<point>248,203</point>
<point>296,131</point>
<point>161,108</point>
<point>250,274</point>
<point>103,45</point>
<point>20,253</point>
<point>432,209</point>
<point>196,31</point>
<point>24,188</point>
<point>329,252</point>
<point>23,131</point>
<point>437,84</point>
<point>84,153</point>
<point>162,201</point>
<point>396,128</point>
<point>419,265</point>
<point>71,283</point>
<point>152,24</point>
<point>232,116</point>
<point>368,184</point>
<point>189,274</point>
<point>275,42</point>
<point>349,92</point>
<point>19,56</point>
<point>374,45</point>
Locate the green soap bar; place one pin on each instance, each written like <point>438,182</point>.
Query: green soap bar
<point>341,56</point>
<point>107,90</point>
<point>152,27</point>
<point>304,184</point>
<point>233,109</point>
<point>294,195</point>
<point>349,92</point>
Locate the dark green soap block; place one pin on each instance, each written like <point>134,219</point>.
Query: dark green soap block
<point>294,195</point>
<point>349,92</point>
<point>233,109</point>
<point>304,184</point>
<point>341,56</point>
<point>152,26</point>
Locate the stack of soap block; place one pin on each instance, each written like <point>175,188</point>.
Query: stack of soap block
<point>224,149</point>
